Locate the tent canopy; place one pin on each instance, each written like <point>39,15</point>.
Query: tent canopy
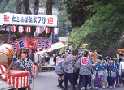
<point>57,45</point>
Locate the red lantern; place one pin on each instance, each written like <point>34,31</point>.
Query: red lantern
<point>38,30</point>
<point>56,31</point>
<point>13,28</point>
<point>47,30</point>
<point>20,29</point>
<point>28,29</point>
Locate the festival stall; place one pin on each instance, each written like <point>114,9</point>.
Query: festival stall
<point>30,43</point>
<point>19,79</point>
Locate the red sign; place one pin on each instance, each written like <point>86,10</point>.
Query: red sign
<point>84,61</point>
<point>31,42</point>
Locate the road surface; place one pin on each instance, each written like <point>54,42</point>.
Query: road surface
<point>48,81</point>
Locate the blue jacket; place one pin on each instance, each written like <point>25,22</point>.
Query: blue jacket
<point>99,68</point>
<point>112,70</point>
<point>117,66</point>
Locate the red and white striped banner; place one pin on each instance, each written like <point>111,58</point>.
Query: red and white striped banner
<point>18,80</point>
<point>38,30</point>
<point>20,29</point>
<point>28,29</point>
<point>47,30</point>
<point>2,69</point>
<point>13,28</point>
<point>56,31</point>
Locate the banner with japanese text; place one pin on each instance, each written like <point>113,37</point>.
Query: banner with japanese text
<point>31,43</point>
<point>22,19</point>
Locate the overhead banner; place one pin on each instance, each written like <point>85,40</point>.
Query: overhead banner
<point>31,43</point>
<point>22,19</point>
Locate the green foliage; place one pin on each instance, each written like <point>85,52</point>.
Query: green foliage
<point>7,7</point>
<point>78,11</point>
<point>10,5</point>
<point>103,30</point>
<point>64,24</point>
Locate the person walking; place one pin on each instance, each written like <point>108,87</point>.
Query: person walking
<point>68,69</point>
<point>112,74</point>
<point>99,73</point>
<point>59,71</point>
<point>105,74</point>
<point>85,66</point>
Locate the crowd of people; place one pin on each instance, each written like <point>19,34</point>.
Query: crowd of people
<point>99,74</point>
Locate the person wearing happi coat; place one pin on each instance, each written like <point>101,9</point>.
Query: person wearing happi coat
<point>59,71</point>
<point>25,64</point>
<point>85,66</point>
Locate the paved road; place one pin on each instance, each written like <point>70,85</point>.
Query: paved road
<point>48,81</point>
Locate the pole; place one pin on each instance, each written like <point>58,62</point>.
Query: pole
<point>9,35</point>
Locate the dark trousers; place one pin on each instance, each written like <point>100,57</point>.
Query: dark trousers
<point>112,81</point>
<point>75,77</point>
<point>68,76</point>
<point>108,80</point>
<point>85,79</point>
<point>89,81</point>
<point>118,81</point>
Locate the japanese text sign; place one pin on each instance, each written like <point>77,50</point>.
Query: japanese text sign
<point>31,42</point>
<point>22,19</point>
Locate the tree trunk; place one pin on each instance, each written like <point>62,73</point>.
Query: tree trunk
<point>36,4</point>
<point>49,4</point>
<point>26,4</point>
<point>18,6</point>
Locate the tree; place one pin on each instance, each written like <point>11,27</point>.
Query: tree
<point>78,11</point>
<point>104,30</point>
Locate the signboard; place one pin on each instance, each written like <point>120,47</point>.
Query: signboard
<point>31,42</point>
<point>22,19</point>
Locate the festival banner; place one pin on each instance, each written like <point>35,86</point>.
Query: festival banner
<point>31,43</point>
<point>22,19</point>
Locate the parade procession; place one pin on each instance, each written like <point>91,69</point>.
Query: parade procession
<point>61,44</point>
